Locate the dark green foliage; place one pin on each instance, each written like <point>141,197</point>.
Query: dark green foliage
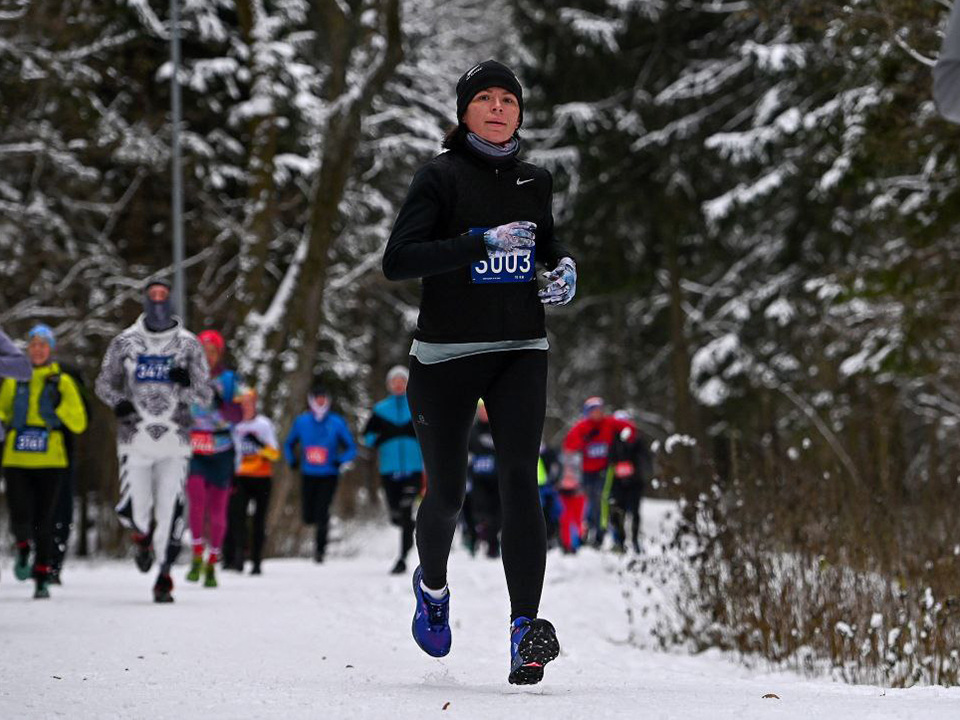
<point>763,202</point>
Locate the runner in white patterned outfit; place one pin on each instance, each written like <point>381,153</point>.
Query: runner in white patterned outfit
<point>151,374</point>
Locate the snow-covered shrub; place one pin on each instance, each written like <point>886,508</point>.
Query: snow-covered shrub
<point>866,592</point>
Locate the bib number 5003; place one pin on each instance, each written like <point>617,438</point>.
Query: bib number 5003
<point>511,268</point>
<point>505,263</point>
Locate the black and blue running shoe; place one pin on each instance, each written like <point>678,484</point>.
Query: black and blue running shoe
<point>533,643</point>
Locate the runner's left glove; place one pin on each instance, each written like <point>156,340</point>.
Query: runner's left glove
<point>124,408</point>
<point>254,440</point>
<point>561,283</point>
<point>179,375</point>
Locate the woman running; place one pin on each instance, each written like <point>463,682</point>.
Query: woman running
<point>39,412</point>
<point>255,439</point>
<point>390,431</point>
<point>475,220</point>
<point>319,445</point>
<point>212,465</point>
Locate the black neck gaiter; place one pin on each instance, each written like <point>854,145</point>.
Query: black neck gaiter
<point>158,316</point>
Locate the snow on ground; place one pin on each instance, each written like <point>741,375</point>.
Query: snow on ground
<point>333,641</point>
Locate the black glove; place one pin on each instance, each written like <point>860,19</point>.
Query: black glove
<point>218,401</point>
<point>179,375</point>
<point>123,409</point>
<point>254,440</point>
<point>295,464</point>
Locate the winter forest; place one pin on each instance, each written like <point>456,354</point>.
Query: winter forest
<point>761,197</point>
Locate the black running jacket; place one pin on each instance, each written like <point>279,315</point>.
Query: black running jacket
<point>451,194</point>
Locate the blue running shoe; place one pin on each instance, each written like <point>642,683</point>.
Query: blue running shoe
<point>533,643</point>
<point>431,620</point>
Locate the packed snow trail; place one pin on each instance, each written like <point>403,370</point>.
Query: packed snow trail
<point>333,641</point>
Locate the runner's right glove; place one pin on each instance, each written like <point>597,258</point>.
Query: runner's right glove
<point>508,239</point>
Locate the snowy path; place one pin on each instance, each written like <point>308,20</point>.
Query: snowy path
<point>333,641</point>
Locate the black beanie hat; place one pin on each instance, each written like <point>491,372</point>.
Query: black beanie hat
<point>319,387</point>
<point>487,74</point>
<point>158,281</point>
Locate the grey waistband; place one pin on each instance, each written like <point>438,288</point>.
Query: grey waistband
<point>432,353</point>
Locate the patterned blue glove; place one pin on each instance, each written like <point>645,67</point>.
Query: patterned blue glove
<point>508,239</point>
<point>562,283</point>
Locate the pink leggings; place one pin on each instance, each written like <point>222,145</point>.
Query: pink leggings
<point>207,501</point>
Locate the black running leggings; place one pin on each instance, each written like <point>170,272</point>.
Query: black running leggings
<point>63,516</point>
<point>32,494</point>
<point>443,401</point>
<point>486,511</point>
<point>625,502</point>
<point>317,493</point>
<point>245,490</point>
<point>401,494</point>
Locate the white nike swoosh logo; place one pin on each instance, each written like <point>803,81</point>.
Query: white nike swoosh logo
<point>524,182</point>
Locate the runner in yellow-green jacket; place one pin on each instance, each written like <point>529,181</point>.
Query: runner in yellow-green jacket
<point>36,414</point>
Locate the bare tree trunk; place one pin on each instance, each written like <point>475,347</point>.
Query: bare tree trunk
<point>683,403</point>
<point>341,139</point>
<point>258,222</point>
<point>616,386</point>
<point>685,420</point>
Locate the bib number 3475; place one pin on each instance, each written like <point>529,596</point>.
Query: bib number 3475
<point>513,268</point>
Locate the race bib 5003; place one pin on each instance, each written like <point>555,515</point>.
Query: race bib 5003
<point>513,268</point>
<point>153,368</point>
<point>31,440</point>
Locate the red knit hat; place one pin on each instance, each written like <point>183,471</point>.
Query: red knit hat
<point>212,337</point>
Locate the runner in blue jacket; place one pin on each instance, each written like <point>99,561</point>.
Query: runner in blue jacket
<point>390,431</point>
<point>319,443</point>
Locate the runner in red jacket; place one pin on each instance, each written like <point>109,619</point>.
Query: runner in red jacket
<point>592,438</point>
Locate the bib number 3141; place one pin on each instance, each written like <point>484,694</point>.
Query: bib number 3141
<point>513,268</point>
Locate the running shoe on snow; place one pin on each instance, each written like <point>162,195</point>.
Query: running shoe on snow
<point>163,589</point>
<point>144,557</point>
<point>533,643</point>
<point>196,567</point>
<point>21,566</point>
<point>431,620</point>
